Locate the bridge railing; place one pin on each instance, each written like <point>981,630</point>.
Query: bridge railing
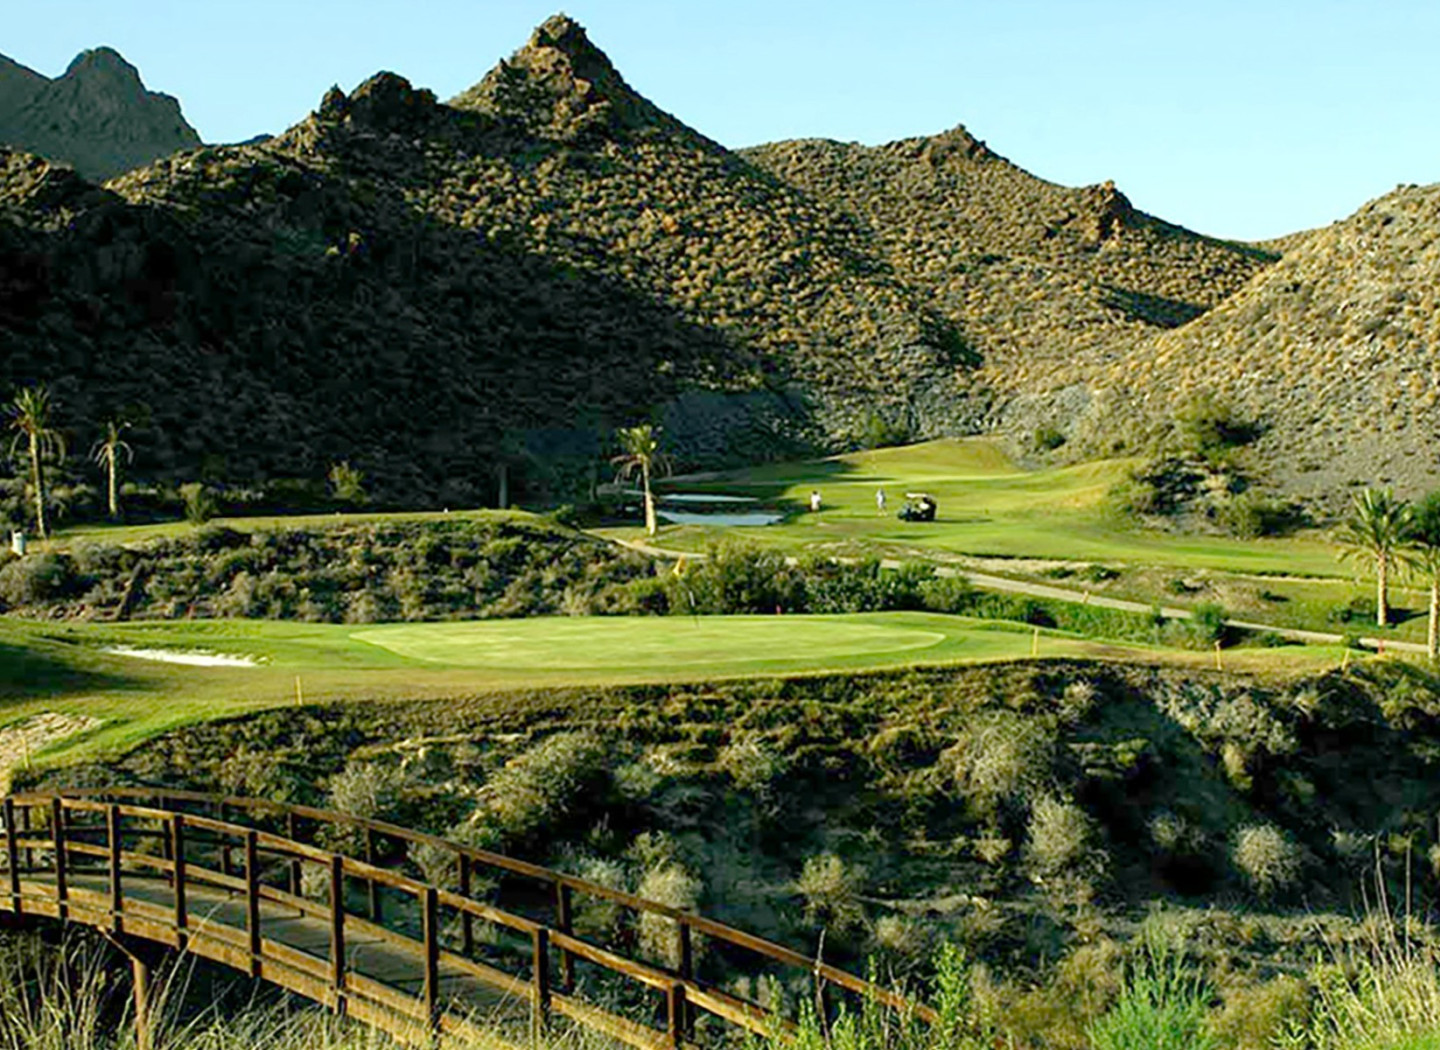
<point>192,841</point>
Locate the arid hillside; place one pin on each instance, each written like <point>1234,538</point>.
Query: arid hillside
<point>435,292</point>
<point>1333,351</point>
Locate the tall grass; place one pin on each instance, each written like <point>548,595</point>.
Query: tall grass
<point>1382,994</point>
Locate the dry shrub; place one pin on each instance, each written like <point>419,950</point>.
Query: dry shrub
<point>1001,754</point>
<point>1267,858</point>
<point>831,889</point>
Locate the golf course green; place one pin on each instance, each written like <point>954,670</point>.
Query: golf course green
<point>625,644</point>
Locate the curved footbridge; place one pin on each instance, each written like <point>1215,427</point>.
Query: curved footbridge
<point>414,935</point>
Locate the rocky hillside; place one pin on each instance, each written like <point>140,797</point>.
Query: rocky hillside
<point>434,291</point>
<point>1333,351</point>
<point>97,117</point>
<point>1045,281</point>
<point>423,288</point>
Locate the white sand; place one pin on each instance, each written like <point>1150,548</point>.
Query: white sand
<point>192,657</point>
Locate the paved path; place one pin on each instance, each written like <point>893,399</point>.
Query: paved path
<point>989,582</point>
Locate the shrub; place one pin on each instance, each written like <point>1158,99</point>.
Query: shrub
<point>947,594</point>
<point>735,577</point>
<point>753,764</point>
<point>347,484</point>
<point>540,785</point>
<point>1059,836</point>
<point>368,790</point>
<point>667,883</point>
<point>1261,1016</point>
<point>36,578</point>
<point>1047,439</point>
<point>1211,429</point>
<point>831,889</point>
<point>999,755</point>
<point>200,503</point>
<point>1162,1006</point>
<point>1267,858</point>
<point>1250,516</point>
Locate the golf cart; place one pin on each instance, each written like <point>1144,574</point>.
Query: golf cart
<point>919,506</point>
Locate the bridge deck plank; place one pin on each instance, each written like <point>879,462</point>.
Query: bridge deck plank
<point>221,914</point>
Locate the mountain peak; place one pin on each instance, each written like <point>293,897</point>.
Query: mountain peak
<point>97,116</point>
<point>105,61</point>
<point>560,85</point>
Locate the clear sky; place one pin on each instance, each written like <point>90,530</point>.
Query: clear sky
<point>1239,119</point>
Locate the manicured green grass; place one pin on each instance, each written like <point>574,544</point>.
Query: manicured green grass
<point>989,506</point>
<point>63,666</point>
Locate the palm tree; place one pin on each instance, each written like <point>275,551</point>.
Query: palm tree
<point>107,452</point>
<point>640,454</point>
<point>29,414</point>
<point>1424,544</point>
<point>1376,527</point>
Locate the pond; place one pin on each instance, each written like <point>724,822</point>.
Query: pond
<point>701,508</point>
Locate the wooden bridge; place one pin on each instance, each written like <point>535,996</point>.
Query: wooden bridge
<point>338,909</point>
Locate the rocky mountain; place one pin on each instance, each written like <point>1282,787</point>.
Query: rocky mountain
<point>1047,282</point>
<point>98,116</point>
<point>426,289</point>
<point>434,291</point>
<point>1335,351</point>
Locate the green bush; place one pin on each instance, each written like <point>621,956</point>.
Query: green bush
<point>200,503</point>
<point>947,594</point>
<point>543,784</point>
<point>37,578</point>
<point>1162,1006</point>
<point>735,577</point>
<point>1250,516</point>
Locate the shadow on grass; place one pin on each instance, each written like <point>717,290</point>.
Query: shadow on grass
<point>26,674</point>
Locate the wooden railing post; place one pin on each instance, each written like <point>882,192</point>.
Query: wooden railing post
<point>12,856</point>
<point>686,955</point>
<point>57,838</point>
<point>676,1013</point>
<point>252,899</point>
<point>337,930</point>
<point>25,827</point>
<point>295,882</point>
<point>467,921</point>
<point>177,849</point>
<point>540,1015</point>
<point>144,1031</point>
<point>374,887</point>
<point>430,930</point>
<point>227,867</point>
<point>116,842</point>
<point>564,923</point>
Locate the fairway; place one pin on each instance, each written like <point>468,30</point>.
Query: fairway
<point>989,506</point>
<point>623,644</point>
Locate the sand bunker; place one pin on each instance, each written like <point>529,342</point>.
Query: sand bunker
<point>192,657</point>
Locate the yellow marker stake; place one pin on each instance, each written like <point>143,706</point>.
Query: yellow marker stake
<point>1035,643</point>
<point>299,693</point>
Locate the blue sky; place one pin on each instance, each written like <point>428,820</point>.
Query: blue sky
<point>1238,119</point>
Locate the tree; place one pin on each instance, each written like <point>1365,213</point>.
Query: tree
<point>640,454</point>
<point>1424,544</point>
<point>1376,527</point>
<point>29,414</point>
<point>107,452</point>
